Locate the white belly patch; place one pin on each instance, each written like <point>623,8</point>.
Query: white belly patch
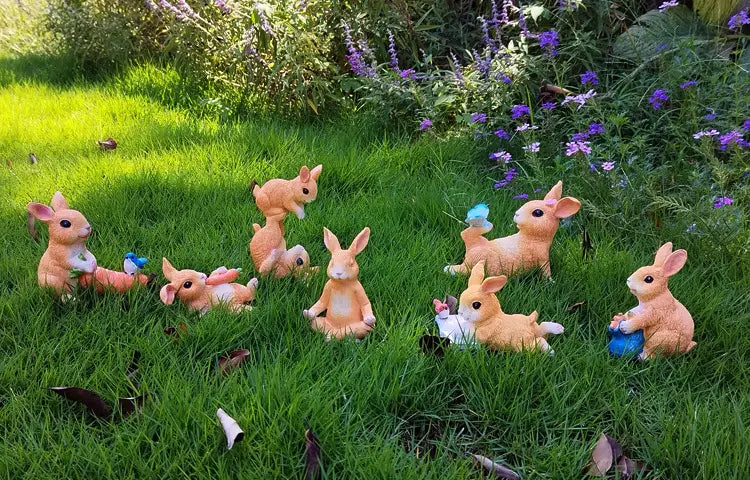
<point>223,292</point>
<point>340,305</point>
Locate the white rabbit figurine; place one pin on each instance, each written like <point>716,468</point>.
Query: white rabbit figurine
<point>453,326</point>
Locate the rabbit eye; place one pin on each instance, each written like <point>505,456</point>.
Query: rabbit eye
<point>476,305</point>
<point>537,213</point>
<point>187,284</point>
<point>300,261</point>
<point>65,223</point>
<point>305,191</point>
<point>648,279</point>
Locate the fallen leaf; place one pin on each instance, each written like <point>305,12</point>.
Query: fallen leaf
<point>576,306</point>
<point>32,226</point>
<point>231,428</point>
<point>433,345</point>
<point>90,399</point>
<point>234,359</point>
<point>601,458</point>
<point>493,468</point>
<point>108,144</point>
<point>312,455</point>
<point>9,163</point>
<point>181,328</point>
<point>625,467</point>
<point>32,159</point>
<point>129,405</point>
<point>616,448</point>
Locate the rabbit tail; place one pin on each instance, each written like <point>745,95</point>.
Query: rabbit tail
<point>546,329</point>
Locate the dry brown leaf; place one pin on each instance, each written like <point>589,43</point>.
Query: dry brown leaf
<point>493,468</point>
<point>625,467</point>
<point>576,306</point>
<point>234,359</point>
<point>89,398</point>
<point>108,144</point>
<point>601,458</point>
<point>176,331</point>
<point>129,405</point>
<point>616,448</point>
<point>312,455</point>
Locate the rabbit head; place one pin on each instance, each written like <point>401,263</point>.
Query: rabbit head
<point>343,265</point>
<point>652,280</point>
<point>540,218</point>
<point>305,186</point>
<point>187,285</point>
<point>296,258</point>
<point>66,226</point>
<point>479,302</point>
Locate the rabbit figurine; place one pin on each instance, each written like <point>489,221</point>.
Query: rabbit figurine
<point>451,325</point>
<point>537,222</point>
<point>278,196</point>
<point>269,253</point>
<point>199,292</point>
<point>67,262</point>
<point>480,307</point>
<point>667,325</point>
<point>348,310</point>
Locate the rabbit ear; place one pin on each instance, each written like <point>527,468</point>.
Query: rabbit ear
<point>555,193</point>
<point>40,211</point>
<point>494,284</point>
<point>167,294</point>
<point>330,240</point>
<point>662,254</point>
<point>360,241</point>
<point>477,274</point>
<point>674,262</point>
<point>58,202</point>
<point>167,268</point>
<point>315,173</point>
<point>304,174</point>
<point>567,207</point>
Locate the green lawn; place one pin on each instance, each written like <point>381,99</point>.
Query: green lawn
<point>176,186</point>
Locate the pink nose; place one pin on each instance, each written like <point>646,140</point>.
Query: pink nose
<point>85,231</point>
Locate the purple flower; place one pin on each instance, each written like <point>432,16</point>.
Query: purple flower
<point>575,147</point>
<point>457,71</point>
<point>596,128</point>
<point>151,5</point>
<point>732,138</point>
<point>659,97</point>
<point>580,99</point>
<point>505,79</point>
<point>408,73</point>
<point>501,184</point>
<point>356,57</point>
<point>705,133</point>
<point>478,118</point>
<point>501,155</point>
<point>607,166</point>
<point>738,20</point>
<point>711,115</point>
<point>507,5</point>
<point>592,167</point>
<point>483,64</point>
<point>490,42</point>
<point>549,40</point>
<point>392,53</point>
<point>532,147</point>
<point>502,134</point>
<point>176,11</point>
<point>549,105</point>
<point>526,127</point>
<point>426,123</point>
<point>579,137</point>
<point>264,25</point>
<point>589,77</point>
<point>746,124</point>
<point>510,174</point>
<point>522,23</point>
<point>225,9</point>
<point>688,84</point>
<point>519,111</point>
<point>670,3</point>
<point>722,201</point>
<point>521,196</point>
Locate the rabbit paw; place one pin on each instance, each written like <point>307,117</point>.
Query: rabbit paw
<point>627,327</point>
<point>300,212</point>
<point>253,283</point>
<point>308,314</point>
<point>449,269</point>
<point>369,320</point>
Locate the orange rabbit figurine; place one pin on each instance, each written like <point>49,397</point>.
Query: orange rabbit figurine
<point>67,262</point>
<point>269,253</point>
<point>666,323</point>
<point>348,310</point>
<point>537,222</point>
<point>480,307</point>
<point>200,292</point>
<point>278,196</point>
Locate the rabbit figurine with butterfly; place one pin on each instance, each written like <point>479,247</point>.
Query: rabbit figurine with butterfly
<point>278,196</point>
<point>537,222</point>
<point>667,325</point>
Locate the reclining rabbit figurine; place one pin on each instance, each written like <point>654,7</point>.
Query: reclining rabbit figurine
<point>666,323</point>
<point>269,253</point>
<point>451,325</point>
<point>67,262</point>
<point>278,196</point>
<point>537,222</point>
<point>200,292</point>
<point>481,308</point>
<point>348,310</point>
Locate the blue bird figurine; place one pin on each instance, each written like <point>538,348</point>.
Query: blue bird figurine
<point>132,264</point>
<point>477,216</point>
<point>623,344</point>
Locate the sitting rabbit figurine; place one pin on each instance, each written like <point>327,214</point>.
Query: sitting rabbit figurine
<point>67,262</point>
<point>269,253</point>
<point>481,308</point>
<point>348,310</point>
<point>278,196</point>
<point>201,293</point>
<point>451,325</point>
<point>537,222</point>
<point>667,325</point>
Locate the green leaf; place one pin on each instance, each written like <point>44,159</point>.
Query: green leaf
<point>445,99</point>
<point>535,11</point>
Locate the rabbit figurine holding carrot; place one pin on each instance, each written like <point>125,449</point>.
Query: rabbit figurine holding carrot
<point>279,196</point>
<point>537,222</point>
<point>480,307</point>
<point>667,325</point>
<point>67,262</point>
<point>270,255</point>
<point>200,292</point>
<point>348,310</point>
